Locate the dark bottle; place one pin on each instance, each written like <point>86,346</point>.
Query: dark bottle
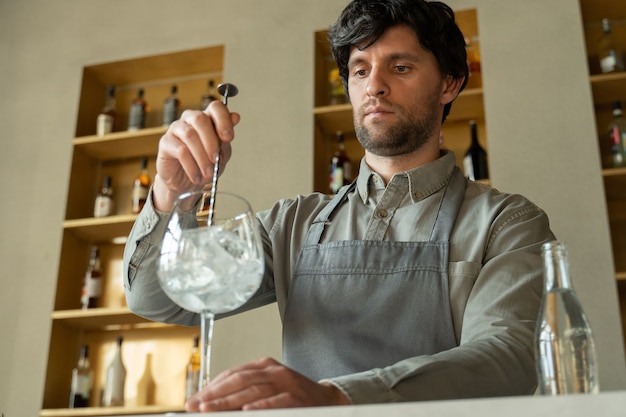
<point>208,96</point>
<point>103,205</point>
<point>475,161</point>
<point>82,381</point>
<point>171,106</point>
<point>92,282</point>
<point>340,166</point>
<point>108,116</point>
<point>565,351</point>
<point>617,136</point>
<point>138,110</point>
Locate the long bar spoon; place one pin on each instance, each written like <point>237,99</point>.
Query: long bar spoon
<point>226,90</point>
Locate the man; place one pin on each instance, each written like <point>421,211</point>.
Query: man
<point>412,283</point>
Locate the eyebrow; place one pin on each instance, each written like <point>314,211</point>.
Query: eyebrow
<point>394,56</point>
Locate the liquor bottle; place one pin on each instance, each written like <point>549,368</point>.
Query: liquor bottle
<point>564,347</point>
<point>335,85</point>
<point>137,113</point>
<point>82,381</point>
<point>92,282</point>
<point>475,161</point>
<point>208,96</point>
<point>193,371</point>
<point>141,187</point>
<point>473,63</point>
<point>104,200</point>
<point>171,106</point>
<point>617,136</point>
<point>107,117</point>
<point>113,394</point>
<point>609,54</point>
<point>340,166</point>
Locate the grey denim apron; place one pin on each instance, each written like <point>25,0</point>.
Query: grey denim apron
<point>360,305</point>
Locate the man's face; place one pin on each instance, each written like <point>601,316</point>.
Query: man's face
<point>397,93</point>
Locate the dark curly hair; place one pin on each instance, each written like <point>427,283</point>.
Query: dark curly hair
<point>362,22</point>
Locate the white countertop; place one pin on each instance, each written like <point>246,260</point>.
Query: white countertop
<point>601,405</point>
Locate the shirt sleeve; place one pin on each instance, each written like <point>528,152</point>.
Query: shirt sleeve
<point>144,295</point>
<point>495,355</point>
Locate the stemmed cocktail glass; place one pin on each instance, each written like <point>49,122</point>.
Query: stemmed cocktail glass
<point>210,265</point>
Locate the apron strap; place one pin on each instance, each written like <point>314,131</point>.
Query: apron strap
<point>449,207</point>
<point>314,233</point>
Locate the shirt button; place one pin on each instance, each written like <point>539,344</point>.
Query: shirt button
<point>417,195</point>
<point>382,213</point>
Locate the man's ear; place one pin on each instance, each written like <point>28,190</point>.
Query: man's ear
<point>450,88</point>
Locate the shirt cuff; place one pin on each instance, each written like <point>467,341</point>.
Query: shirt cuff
<point>364,388</point>
<point>146,224</point>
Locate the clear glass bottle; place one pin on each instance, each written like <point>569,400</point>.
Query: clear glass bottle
<point>617,136</point>
<point>141,186</point>
<point>609,54</point>
<point>193,370</point>
<point>340,166</point>
<point>171,106</point>
<point>113,394</point>
<point>565,350</point>
<point>92,282</point>
<point>208,96</point>
<point>104,200</point>
<point>82,381</point>
<point>108,116</point>
<point>475,160</point>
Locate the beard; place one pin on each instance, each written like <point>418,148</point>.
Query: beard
<point>413,129</point>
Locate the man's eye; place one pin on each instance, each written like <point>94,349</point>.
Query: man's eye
<point>402,68</point>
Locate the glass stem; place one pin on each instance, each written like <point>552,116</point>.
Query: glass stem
<point>206,330</point>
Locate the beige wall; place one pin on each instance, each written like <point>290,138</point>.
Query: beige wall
<point>539,122</point>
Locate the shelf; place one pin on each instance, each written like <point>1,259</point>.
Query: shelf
<point>615,189</point>
<point>120,145</point>
<point>109,411</point>
<point>467,106</point>
<point>607,88</point>
<point>620,277</point>
<point>100,229</point>
<point>330,119</point>
<point>101,318</point>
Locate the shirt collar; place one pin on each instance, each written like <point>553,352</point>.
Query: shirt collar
<point>421,182</point>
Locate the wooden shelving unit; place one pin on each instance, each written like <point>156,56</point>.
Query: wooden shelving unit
<point>605,89</point>
<point>118,154</point>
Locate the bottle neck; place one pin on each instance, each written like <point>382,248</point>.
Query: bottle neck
<point>556,267</point>
<point>474,134</point>
<point>83,360</point>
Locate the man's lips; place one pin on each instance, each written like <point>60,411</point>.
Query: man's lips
<point>377,111</point>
